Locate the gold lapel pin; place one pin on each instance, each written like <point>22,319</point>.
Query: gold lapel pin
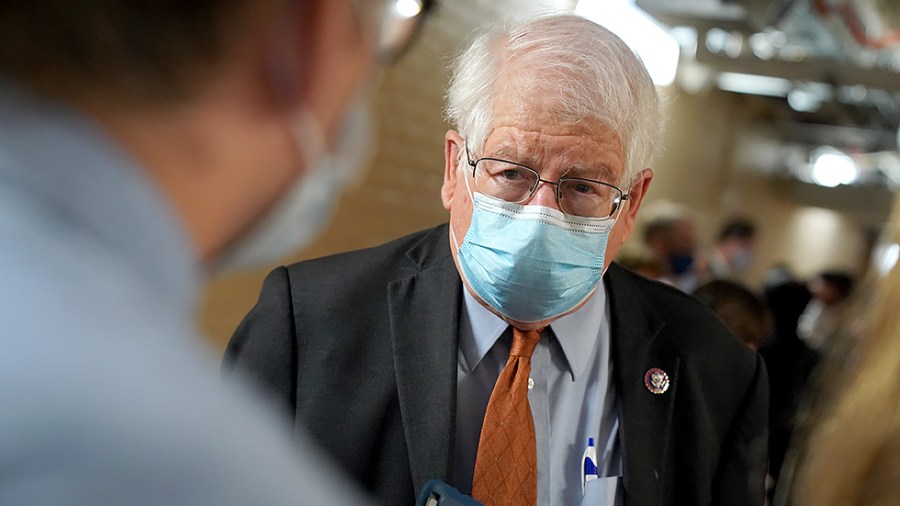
<point>656,380</point>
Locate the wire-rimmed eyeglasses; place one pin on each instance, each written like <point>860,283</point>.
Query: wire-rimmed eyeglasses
<point>516,183</point>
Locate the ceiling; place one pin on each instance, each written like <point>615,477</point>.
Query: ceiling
<point>828,71</point>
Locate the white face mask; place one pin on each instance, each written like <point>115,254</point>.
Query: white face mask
<point>305,208</point>
<point>742,259</point>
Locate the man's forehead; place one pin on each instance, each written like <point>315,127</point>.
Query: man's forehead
<point>586,148</point>
<point>547,88</point>
<point>544,110</point>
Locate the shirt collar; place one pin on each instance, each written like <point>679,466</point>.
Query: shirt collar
<point>577,332</point>
<point>91,183</point>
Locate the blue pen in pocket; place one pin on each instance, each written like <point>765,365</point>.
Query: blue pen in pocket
<point>589,464</point>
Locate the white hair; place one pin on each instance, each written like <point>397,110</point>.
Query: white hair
<point>581,68</point>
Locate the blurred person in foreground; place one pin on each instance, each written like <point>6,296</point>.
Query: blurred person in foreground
<point>491,351</point>
<point>849,452</point>
<point>143,146</point>
<point>851,457</point>
<point>733,254</point>
<point>853,454</point>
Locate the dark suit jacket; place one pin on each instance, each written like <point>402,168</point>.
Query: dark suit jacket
<point>361,349</point>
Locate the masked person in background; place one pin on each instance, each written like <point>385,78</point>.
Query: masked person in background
<point>830,292</point>
<point>733,253</point>
<point>492,352</point>
<point>141,145</point>
<point>671,238</point>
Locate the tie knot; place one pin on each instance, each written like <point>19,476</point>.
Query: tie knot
<point>524,342</point>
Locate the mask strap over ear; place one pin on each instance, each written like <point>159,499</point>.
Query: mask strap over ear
<point>309,138</point>
<point>464,152</point>
<point>459,165</point>
<point>453,238</point>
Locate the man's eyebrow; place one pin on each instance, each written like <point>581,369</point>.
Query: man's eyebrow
<point>599,172</point>
<point>508,154</point>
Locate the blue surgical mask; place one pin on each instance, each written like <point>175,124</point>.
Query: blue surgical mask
<point>680,262</point>
<point>531,263</point>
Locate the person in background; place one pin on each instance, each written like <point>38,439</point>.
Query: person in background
<point>494,352</point>
<point>144,146</point>
<point>671,237</point>
<point>830,291</point>
<point>790,364</point>
<point>778,273</point>
<point>639,259</point>
<point>743,312</point>
<point>732,255</point>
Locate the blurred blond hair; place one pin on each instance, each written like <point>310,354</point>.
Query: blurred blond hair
<point>853,454</point>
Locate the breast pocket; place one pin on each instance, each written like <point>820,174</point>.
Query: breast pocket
<point>602,491</point>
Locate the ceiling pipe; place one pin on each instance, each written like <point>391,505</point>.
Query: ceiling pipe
<point>851,19</point>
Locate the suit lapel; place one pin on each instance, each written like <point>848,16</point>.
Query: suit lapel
<point>424,316</point>
<point>646,417</point>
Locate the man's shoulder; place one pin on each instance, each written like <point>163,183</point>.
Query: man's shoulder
<point>718,366</point>
<point>691,327</point>
<point>665,299</point>
<point>407,254</point>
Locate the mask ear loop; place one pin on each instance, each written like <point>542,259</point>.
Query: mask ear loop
<point>615,220</point>
<point>465,175</point>
<point>308,138</point>
<point>465,151</point>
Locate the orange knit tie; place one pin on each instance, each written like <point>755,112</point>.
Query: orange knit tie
<point>506,464</point>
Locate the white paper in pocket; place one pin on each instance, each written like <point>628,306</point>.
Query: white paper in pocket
<point>602,491</point>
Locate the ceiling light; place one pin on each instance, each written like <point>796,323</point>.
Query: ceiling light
<point>762,47</point>
<point>408,8</point>
<point>803,101</point>
<point>809,96</point>
<point>754,84</point>
<point>715,40</point>
<point>832,168</point>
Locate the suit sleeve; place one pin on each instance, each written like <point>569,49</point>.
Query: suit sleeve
<point>741,476</point>
<point>263,348</point>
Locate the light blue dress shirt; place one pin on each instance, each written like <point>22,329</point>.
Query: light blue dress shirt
<point>571,396</point>
<point>106,394</point>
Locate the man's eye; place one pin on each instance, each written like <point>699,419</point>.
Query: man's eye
<point>511,174</point>
<point>583,188</point>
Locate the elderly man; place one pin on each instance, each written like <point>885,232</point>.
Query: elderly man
<point>141,144</point>
<point>505,353</point>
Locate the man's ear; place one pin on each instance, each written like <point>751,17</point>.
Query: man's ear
<point>306,39</point>
<point>453,146</point>
<point>635,197</point>
<point>292,54</point>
